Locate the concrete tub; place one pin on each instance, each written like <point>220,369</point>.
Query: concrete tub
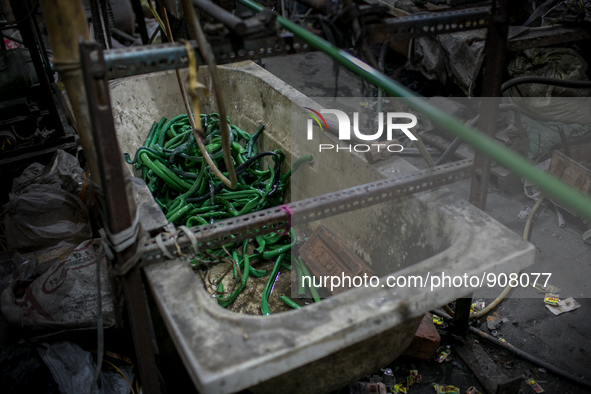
<point>325,345</point>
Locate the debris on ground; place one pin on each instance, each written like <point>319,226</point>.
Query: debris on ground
<point>401,387</point>
<point>535,386</point>
<point>388,378</point>
<point>551,299</point>
<point>547,289</point>
<point>441,389</point>
<point>367,388</point>
<point>524,213</point>
<point>494,321</point>
<point>442,354</point>
<point>567,305</point>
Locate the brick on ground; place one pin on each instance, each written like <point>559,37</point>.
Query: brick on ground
<point>426,340</point>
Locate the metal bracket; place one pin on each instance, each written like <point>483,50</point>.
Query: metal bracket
<point>147,59</point>
<point>421,25</point>
<point>311,209</point>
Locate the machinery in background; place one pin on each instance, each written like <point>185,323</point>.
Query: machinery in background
<point>33,122</point>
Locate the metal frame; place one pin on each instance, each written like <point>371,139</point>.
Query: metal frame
<point>98,68</point>
<point>262,222</point>
<point>147,59</point>
<point>118,206</point>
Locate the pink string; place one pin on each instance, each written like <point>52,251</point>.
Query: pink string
<point>287,210</point>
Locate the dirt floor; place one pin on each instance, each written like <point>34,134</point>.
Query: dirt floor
<point>563,341</point>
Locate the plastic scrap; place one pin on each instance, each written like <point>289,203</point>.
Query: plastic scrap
<point>63,170</point>
<point>455,55</point>
<point>524,213</point>
<point>535,386</point>
<point>64,297</point>
<point>73,370</point>
<point>414,377</point>
<point>448,389</point>
<point>494,321</point>
<point>401,387</point>
<point>564,13</point>
<point>567,305</point>
<point>44,208</point>
<point>14,266</point>
<point>480,305</point>
<point>442,355</point>
<point>388,377</point>
<point>551,299</point>
<point>23,371</point>
<point>558,63</point>
<point>367,388</point>
<point>44,215</point>
<point>472,390</point>
<point>437,320</point>
<point>547,289</point>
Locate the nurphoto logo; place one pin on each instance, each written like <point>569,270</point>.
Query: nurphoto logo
<point>344,125</point>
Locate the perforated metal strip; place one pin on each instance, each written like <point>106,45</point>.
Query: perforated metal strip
<point>151,58</point>
<point>304,211</point>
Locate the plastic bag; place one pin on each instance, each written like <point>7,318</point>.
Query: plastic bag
<point>73,370</point>
<point>456,55</point>
<point>14,266</point>
<point>547,102</point>
<point>44,215</point>
<point>65,296</point>
<point>63,170</point>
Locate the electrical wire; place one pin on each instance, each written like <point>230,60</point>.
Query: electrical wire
<point>207,54</point>
<point>159,20</point>
<point>29,14</point>
<point>122,374</point>
<point>193,105</point>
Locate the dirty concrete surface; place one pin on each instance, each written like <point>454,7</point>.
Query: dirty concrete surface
<point>563,341</point>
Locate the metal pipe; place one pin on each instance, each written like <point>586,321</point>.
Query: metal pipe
<point>229,20</point>
<point>505,157</point>
<point>66,24</point>
<point>322,6</point>
<point>534,360</point>
<point>526,356</point>
<point>546,81</point>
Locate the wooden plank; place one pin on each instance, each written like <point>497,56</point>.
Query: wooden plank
<point>488,374</point>
<point>545,36</point>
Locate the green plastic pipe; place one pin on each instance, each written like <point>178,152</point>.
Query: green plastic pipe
<point>505,157</point>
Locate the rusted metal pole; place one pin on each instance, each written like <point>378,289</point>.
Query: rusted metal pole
<point>119,207</point>
<point>66,25</point>
<point>496,46</point>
